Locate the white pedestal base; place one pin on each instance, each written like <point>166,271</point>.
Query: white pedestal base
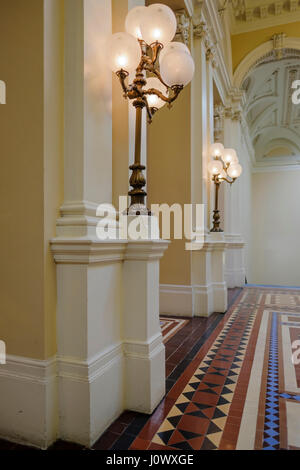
<point>208,292</point>
<point>235,272</point>
<point>111,355</point>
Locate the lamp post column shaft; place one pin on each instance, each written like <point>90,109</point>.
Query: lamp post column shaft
<point>217,197</point>
<point>216,218</point>
<point>137,179</point>
<point>138,136</point>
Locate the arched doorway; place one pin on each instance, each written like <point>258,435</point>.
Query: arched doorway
<point>266,77</point>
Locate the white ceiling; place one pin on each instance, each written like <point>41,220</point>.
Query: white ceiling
<point>273,119</point>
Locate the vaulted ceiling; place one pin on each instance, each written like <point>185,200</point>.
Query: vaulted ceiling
<point>273,119</point>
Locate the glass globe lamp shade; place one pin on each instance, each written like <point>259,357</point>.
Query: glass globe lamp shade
<point>158,24</point>
<point>235,170</point>
<point>133,21</point>
<point>215,167</point>
<point>216,150</point>
<point>177,68</point>
<point>222,175</point>
<point>123,52</point>
<point>153,100</point>
<point>172,47</point>
<point>229,156</point>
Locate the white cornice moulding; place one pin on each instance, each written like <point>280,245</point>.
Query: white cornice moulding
<point>275,168</point>
<point>87,251</point>
<point>79,219</point>
<point>146,250</point>
<point>234,241</point>
<point>74,208</point>
<point>211,12</point>
<point>90,251</point>
<point>221,74</point>
<point>189,6</point>
<point>250,26</point>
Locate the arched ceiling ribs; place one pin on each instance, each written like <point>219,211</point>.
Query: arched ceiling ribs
<point>265,100</point>
<point>261,121</point>
<point>265,51</point>
<point>274,139</point>
<point>273,120</point>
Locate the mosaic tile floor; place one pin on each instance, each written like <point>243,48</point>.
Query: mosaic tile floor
<point>181,348</point>
<point>233,382</point>
<point>242,390</point>
<point>171,326</point>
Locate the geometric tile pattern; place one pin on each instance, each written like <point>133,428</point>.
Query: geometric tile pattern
<point>289,396</point>
<point>223,401</point>
<point>198,418</point>
<point>236,389</point>
<point>272,429</point>
<point>279,298</point>
<point>171,326</point>
<point>283,300</point>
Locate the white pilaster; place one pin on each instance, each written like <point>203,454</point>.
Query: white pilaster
<point>88,123</point>
<point>209,290</point>
<point>218,272</point>
<point>89,339</point>
<point>235,272</point>
<point>108,331</point>
<point>143,347</point>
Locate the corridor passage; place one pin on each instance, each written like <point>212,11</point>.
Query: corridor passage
<point>240,391</point>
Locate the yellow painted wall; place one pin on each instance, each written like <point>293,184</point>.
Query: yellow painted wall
<point>123,114</point>
<point>29,170</point>
<point>169,177</point>
<point>243,44</point>
<point>53,155</point>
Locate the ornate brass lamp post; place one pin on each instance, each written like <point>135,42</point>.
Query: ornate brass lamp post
<point>224,167</point>
<point>162,69</point>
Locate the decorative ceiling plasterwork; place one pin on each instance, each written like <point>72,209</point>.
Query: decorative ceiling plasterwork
<point>273,120</point>
<point>183,27</point>
<point>270,124</point>
<point>208,26</point>
<point>250,15</point>
<point>201,18</point>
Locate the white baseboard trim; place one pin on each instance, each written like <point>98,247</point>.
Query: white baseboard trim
<point>64,398</point>
<point>235,277</point>
<point>220,297</point>
<point>88,371</point>
<point>28,402</point>
<point>190,301</point>
<point>235,271</point>
<point>144,374</point>
<point>90,394</point>
<point>143,349</point>
<point>176,300</point>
